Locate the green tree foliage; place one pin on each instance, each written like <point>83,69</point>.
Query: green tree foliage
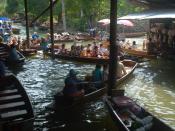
<point>80,14</point>
<point>12,6</point>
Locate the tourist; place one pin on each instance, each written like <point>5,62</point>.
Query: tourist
<point>72,83</point>
<point>35,36</point>
<point>44,46</point>
<point>13,55</point>
<point>97,76</point>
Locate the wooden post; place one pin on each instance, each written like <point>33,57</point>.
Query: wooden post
<point>51,28</point>
<point>27,22</point>
<point>113,47</point>
<point>63,15</point>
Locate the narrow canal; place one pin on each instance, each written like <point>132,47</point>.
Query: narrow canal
<point>152,85</point>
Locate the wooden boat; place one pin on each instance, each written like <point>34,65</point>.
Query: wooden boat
<point>16,113</point>
<point>130,67</point>
<point>62,103</point>
<point>82,59</point>
<point>129,116</point>
<point>28,52</point>
<point>133,34</point>
<point>139,53</point>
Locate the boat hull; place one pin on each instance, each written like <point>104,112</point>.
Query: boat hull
<point>16,112</point>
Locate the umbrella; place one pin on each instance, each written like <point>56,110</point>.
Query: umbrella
<point>125,22</point>
<point>104,21</point>
<point>120,22</point>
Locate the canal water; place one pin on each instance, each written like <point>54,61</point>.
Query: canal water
<point>152,85</point>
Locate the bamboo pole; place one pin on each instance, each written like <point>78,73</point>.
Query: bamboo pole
<point>113,47</point>
<point>51,28</point>
<point>44,11</point>
<point>27,22</point>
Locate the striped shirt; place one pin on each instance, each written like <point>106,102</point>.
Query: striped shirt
<point>4,52</point>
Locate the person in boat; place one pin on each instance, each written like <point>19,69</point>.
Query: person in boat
<point>44,46</point>
<point>72,84</point>
<point>103,52</point>
<point>13,55</point>
<point>35,36</point>
<point>63,50</point>
<point>97,76</point>
<point>121,71</point>
<point>4,50</point>
<point>88,50</point>
<point>134,46</point>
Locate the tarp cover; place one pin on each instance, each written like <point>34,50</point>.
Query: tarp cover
<point>151,14</point>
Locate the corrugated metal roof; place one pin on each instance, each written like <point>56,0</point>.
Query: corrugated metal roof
<point>151,14</point>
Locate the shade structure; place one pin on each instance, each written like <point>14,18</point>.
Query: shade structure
<point>125,23</point>
<point>120,22</point>
<point>104,21</point>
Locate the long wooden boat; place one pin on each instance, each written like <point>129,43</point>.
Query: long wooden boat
<point>129,116</point>
<point>16,112</point>
<point>133,34</point>
<point>28,52</point>
<point>65,103</point>
<point>130,67</point>
<point>139,53</point>
<point>82,59</point>
<point>62,103</point>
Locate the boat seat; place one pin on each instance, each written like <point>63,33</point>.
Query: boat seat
<point>12,114</point>
<point>12,105</point>
<point>8,91</point>
<point>11,97</point>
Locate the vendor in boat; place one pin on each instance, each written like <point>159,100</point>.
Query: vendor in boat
<point>13,55</point>
<point>72,85</point>
<point>121,71</point>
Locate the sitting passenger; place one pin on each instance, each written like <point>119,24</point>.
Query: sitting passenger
<point>134,46</point>
<point>13,55</point>
<point>71,85</point>
<point>97,76</point>
<point>120,69</point>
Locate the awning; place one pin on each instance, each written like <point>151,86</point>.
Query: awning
<point>151,14</point>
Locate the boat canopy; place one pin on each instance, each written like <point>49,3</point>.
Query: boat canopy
<point>151,14</point>
<point>160,3</point>
<point>4,19</point>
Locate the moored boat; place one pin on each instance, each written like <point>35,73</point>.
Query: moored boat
<point>62,102</point>
<point>139,53</point>
<point>129,116</point>
<point>28,52</point>
<point>16,112</point>
<point>82,59</point>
